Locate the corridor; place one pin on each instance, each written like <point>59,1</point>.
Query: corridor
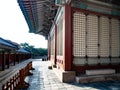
<point>45,79</point>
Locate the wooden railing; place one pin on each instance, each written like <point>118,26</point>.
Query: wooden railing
<point>17,81</point>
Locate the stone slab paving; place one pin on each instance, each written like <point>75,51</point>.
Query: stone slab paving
<point>45,79</point>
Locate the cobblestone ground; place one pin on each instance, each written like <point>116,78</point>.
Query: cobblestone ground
<point>45,79</point>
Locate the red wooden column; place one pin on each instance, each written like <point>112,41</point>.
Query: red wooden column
<point>18,57</point>
<point>3,60</point>
<point>14,59</point>
<point>0,58</point>
<point>48,48</point>
<point>11,58</point>
<point>67,36</point>
<point>55,45</point>
<point>8,60</point>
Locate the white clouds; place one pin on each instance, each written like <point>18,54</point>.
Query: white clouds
<point>14,27</point>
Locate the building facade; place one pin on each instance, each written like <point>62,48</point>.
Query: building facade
<point>84,35</point>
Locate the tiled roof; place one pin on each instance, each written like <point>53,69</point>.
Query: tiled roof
<point>22,50</point>
<point>7,43</point>
<point>39,15</point>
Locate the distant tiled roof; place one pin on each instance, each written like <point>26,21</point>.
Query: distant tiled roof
<point>7,43</point>
<point>14,43</point>
<point>22,50</point>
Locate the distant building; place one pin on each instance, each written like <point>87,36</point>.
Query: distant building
<point>10,54</point>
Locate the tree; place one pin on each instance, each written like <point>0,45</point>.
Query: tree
<point>33,50</point>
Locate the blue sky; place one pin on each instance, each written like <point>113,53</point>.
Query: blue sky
<point>14,27</point>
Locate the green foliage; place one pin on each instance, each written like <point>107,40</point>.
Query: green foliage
<point>33,50</point>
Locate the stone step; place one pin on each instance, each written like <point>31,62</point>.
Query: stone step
<point>100,71</point>
<point>96,78</point>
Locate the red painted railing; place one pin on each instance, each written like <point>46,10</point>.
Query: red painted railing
<point>17,81</point>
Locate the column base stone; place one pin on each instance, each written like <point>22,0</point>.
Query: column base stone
<point>65,76</point>
<point>68,76</point>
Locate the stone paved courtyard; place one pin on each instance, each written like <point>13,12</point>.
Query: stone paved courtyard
<point>45,79</point>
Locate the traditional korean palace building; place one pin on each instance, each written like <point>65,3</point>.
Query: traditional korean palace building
<point>83,35</point>
<point>11,53</point>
